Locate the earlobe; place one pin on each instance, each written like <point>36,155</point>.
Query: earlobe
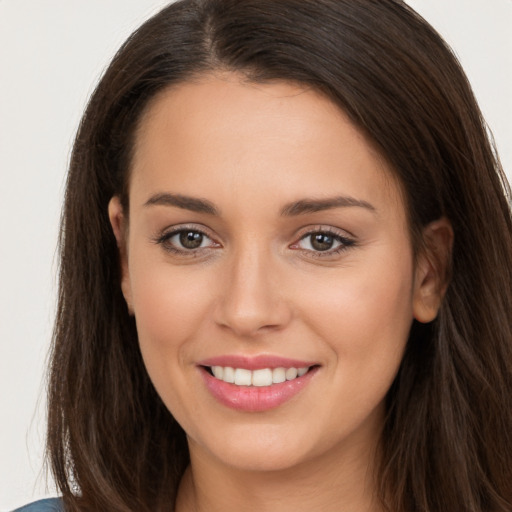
<point>120,228</point>
<point>432,272</point>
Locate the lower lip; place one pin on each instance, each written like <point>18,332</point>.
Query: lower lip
<point>254,398</point>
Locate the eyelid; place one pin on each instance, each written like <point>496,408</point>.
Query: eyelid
<point>166,234</point>
<point>325,228</point>
<point>346,239</point>
<point>170,230</point>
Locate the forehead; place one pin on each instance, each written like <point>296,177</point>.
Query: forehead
<point>280,139</point>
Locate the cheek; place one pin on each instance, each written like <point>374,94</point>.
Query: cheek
<point>364,324</point>
<point>363,301</point>
<point>169,309</point>
<point>364,317</point>
<point>169,303</point>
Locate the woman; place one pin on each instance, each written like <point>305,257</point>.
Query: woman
<point>279,285</point>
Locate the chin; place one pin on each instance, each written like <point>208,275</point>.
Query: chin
<point>260,450</point>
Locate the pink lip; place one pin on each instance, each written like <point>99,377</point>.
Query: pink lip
<point>253,398</point>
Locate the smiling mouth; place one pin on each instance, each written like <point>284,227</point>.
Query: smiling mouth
<point>263,377</point>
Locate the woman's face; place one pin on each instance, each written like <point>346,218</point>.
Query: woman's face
<point>266,238</point>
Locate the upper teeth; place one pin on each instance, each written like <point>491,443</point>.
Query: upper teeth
<point>263,377</point>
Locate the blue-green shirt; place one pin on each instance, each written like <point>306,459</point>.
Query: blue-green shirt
<point>48,505</point>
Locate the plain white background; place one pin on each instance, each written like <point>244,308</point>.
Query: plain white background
<point>52,53</point>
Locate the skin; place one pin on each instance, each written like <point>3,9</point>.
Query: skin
<point>258,286</point>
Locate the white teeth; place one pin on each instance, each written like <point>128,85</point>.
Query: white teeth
<point>243,377</point>
<point>291,373</point>
<point>259,378</point>
<point>262,377</point>
<point>218,371</point>
<point>229,375</point>
<point>278,375</point>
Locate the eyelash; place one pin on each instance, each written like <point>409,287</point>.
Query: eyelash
<point>344,242</point>
<point>164,239</point>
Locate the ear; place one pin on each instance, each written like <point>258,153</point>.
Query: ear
<point>119,225</point>
<point>432,270</point>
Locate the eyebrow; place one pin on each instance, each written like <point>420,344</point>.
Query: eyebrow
<point>305,206</point>
<point>185,202</point>
<point>301,207</point>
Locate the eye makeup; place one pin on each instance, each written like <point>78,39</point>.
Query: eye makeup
<point>191,241</point>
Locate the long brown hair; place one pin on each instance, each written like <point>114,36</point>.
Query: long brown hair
<point>447,442</point>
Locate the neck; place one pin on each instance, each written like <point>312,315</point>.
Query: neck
<point>333,483</point>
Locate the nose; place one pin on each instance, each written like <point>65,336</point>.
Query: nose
<point>252,298</point>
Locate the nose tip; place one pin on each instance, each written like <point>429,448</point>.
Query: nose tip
<point>247,321</point>
<point>252,300</point>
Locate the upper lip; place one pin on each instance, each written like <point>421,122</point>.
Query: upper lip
<point>255,362</point>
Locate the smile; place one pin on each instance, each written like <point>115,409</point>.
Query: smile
<point>260,378</point>
<point>256,384</point>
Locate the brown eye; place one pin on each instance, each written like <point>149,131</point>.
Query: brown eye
<point>186,241</point>
<point>324,243</point>
<point>321,241</point>
<point>191,239</point>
